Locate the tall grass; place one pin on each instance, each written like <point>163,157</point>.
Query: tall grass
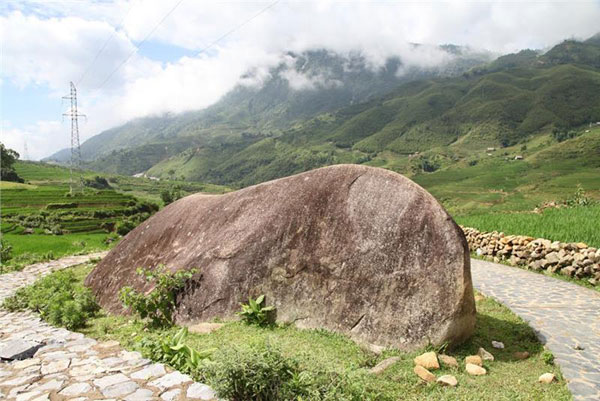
<point>580,224</point>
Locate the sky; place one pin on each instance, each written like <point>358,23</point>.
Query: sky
<point>133,58</point>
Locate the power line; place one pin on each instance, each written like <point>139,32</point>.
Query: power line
<point>201,51</point>
<point>140,45</point>
<point>112,35</point>
<point>238,27</point>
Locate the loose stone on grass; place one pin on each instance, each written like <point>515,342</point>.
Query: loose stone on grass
<point>449,361</point>
<point>427,360</point>
<point>447,380</point>
<point>383,365</point>
<point>498,344</point>
<point>474,360</point>
<point>424,374</point>
<point>475,370</point>
<point>486,356</point>
<point>546,378</point>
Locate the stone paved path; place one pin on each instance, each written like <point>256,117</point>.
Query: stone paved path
<point>565,316</point>
<point>72,367</point>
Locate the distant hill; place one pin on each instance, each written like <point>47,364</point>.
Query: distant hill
<point>419,122</point>
<point>302,86</point>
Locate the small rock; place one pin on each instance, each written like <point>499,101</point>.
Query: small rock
<point>19,349</point>
<point>424,374</point>
<point>498,344</point>
<point>383,365</point>
<point>581,245</point>
<point>170,380</point>
<point>76,389</point>
<point>474,360</point>
<point>486,356</point>
<point>546,378</point>
<point>106,381</point>
<point>579,347</point>
<point>521,355</point>
<point>154,370</point>
<point>475,370</point>
<point>170,395</point>
<point>447,380</point>
<point>120,389</point>
<point>26,363</point>
<point>448,360</point>
<point>56,366</point>
<point>141,394</point>
<point>199,391</point>
<point>427,360</point>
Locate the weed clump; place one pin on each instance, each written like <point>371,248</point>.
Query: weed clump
<point>156,306</point>
<point>59,298</point>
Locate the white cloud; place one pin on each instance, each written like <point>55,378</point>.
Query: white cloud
<point>51,43</point>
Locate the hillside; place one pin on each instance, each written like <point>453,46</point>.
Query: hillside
<point>520,104</point>
<point>41,219</point>
<point>301,86</point>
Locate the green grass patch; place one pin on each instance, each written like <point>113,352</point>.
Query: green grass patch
<point>28,249</point>
<point>578,224</point>
<point>330,366</point>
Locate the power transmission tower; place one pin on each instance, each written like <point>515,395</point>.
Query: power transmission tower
<point>75,146</point>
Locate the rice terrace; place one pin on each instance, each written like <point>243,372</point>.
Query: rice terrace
<point>309,201</point>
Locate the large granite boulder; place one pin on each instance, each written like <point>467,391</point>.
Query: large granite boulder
<point>354,249</point>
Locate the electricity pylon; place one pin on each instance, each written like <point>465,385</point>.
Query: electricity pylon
<point>75,146</point>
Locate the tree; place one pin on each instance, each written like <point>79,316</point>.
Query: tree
<point>8,157</point>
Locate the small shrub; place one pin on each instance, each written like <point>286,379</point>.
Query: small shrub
<point>5,251</point>
<point>259,373</point>
<point>59,298</point>
<point>156,306</point>
<point>578,199</point>
<point>548,357</point>
<point>254,313</point>
<point>124,226</point>
<point>174,352</point>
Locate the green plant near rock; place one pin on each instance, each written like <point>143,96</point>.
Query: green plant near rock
<point>59,298</point>
<point>174,352</point>
<point>255,313</point>
<point>259,373</point>
<point>5,252</point>
<point>157,305</point>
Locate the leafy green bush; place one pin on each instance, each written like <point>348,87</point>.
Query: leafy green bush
<point>59,298</point>
<point>157,306</point>
<point>5,251</point>
<point>579,198</point>
<point>174,352</point>
<point>254,313</point>
<point>124,226</point>
<point>259,373</point>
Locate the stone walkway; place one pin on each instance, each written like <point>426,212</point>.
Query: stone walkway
<point>565,316</point>
<point>69,366</point>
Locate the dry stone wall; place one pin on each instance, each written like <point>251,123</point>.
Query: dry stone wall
<point>572,259</point>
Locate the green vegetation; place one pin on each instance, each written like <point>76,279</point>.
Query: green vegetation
<point>564,224</point>
<point>255,313</point>
<point>8,157</point>
<point>283,362</point>
<point>174,352</point>
<point>42,220</point>
<point>60,298</point>
<point>157,305</point>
